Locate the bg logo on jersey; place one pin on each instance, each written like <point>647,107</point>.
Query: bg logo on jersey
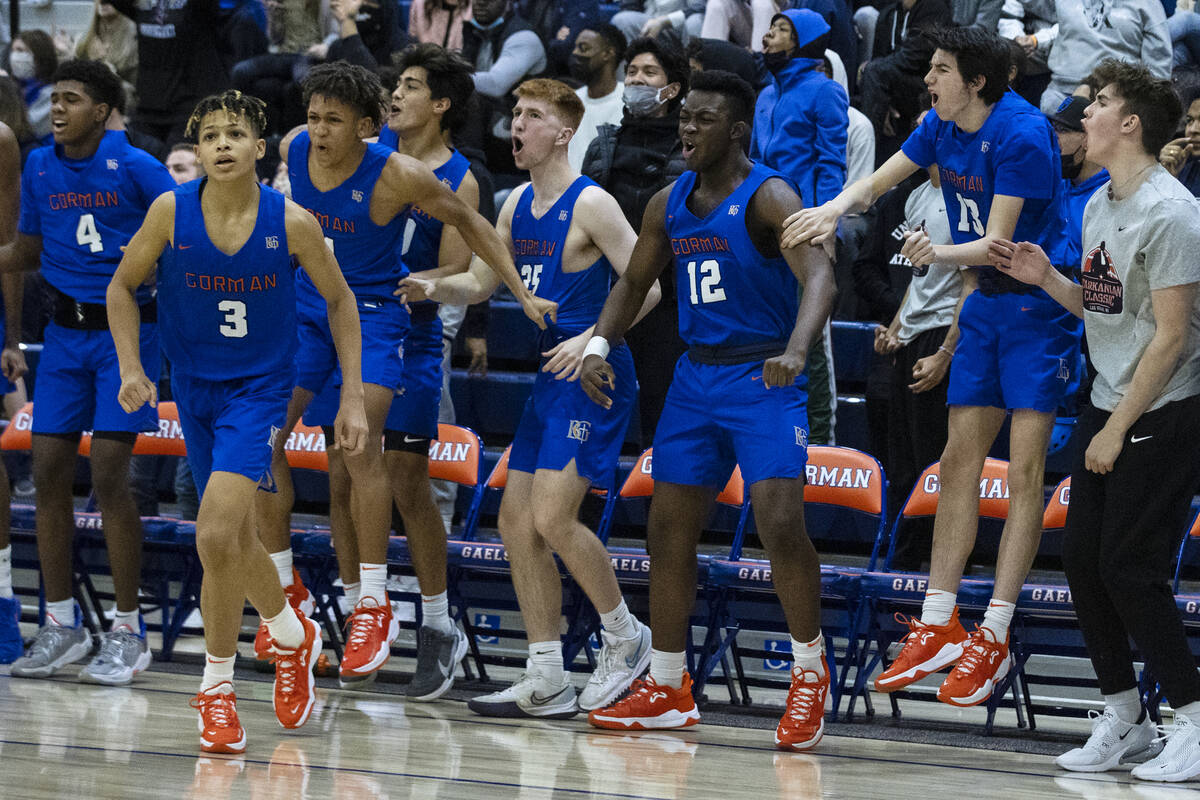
<point>579,430</point>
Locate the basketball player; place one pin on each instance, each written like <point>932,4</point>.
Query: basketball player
<point>82,199</point>
<point>226,284</point>
<point>12,366</point>
<point>737,397</point>
<point>430,100</point>
<point>569,236</point>
<point>1018,349</point>
<point>1132,487</point>
<point>360,194</point>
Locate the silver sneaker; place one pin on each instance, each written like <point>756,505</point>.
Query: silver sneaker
<point>531,696</point>
<point>52,649</point>
<point>122,655</point>
<point>438,655</point>
<point>621,662</point>
<point>1113,744</point>
<point>1180,756</point>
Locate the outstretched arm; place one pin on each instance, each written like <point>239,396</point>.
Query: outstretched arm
<point>307,243</point>
<point>124,319</point>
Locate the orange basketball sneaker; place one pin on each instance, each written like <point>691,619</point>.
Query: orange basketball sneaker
<point>372,629</point>
<point>220,731</point>
<point>984,663</point>
<point>803,722</point>
<point>650,706</point>
<point>927,649</point>
<point>299,598</point>
<point>295,689</point>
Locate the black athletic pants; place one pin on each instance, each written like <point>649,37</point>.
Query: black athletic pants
<point>1122,530</point>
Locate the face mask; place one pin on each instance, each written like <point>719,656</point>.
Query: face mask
<point>642,101</point>
<point>580,68</point>
<point>1070,170</point>
<point>20,64</point>
<point>497,22</point>
<point>776,61</point>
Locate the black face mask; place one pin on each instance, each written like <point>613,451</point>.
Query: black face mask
<point>776,61</point>
<point>1070,170</point>
<point>580,68</point>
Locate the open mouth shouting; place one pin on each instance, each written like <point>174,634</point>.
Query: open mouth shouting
<point>517,144</point>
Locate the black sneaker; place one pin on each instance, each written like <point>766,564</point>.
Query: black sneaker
<point>438,655</point>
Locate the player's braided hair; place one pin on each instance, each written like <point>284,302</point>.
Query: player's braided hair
<point>234,103</point>
<point>351,84</point>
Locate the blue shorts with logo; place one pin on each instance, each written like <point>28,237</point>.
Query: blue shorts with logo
<point>230,426</point>
<point>419,398</point>
<point>717,416</point>
<point>1015,351</point>
<point>384,324</point>
<point>78,379</point>
<point>560,423</point>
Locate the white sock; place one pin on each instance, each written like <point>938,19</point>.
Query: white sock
<point>938,607</point>
<point>283,566</point>
<point>667,668</point>
<point>997,618</point>
<point>807,655</point>
<point>547,658</point>
<point>61,613</point>
<point>1127,705</point>
<point>6,572</point>
<point>619,622</point>
<point>1191,711</point>
<point>130,619</point>
<point>217,670</point>
<point>373,580</point>
<point>352,591</point>
<point>285,628</point>
<point>435,613</point>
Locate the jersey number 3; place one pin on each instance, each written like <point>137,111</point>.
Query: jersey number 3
<point>710,290</point>
<point>235,318</point>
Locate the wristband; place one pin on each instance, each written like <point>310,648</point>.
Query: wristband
<point>946,350</point>
<point>597,346</point>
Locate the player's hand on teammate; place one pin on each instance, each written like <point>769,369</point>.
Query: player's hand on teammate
<point>1026,261</point>
<point>350,428</point>
<point>1103,450</point>
<point>885,342</point>
<point>917,247</point>
<point>565,359</point>
<point>929,371</point>
<point>782,370</point>
<point>136,391</point>
<point>477,347</point>
<point>414,290</point>
<point>1175,154</point>
<point>12,363</point>
<point>537,308</point>
<point>810,225</point>
<point>596,374</point>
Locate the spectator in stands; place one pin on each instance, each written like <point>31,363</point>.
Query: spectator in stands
<point>1181,157</point>
<point>1088,32</point>
<point>652,17</point>
<point>439,21</point>
<point>111,38</point>
<point>1031,24</point>
<point>183,164</point>
<point>1184,27</point>
<point>1081,176</point>
<point>14,114</point>
<point>860,136</point>
<point>843,38</point>
<point>504,49</point>
<point>300,32</point>
<point>117,122</point>
<point>178,61</point>
<point>893,79</point>
<point>984,13</point>
<point>594,61</point>
<point>368,32</point>
<point>743,23</point>
<point>32,60</point>
<point>244,30</point>
<point>632,162</point>
<point>704,54</point>
<point>557,23</point>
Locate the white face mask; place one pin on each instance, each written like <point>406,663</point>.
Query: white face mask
<point>20,64</point>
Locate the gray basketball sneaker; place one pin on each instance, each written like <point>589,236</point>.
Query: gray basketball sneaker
<point>52,649</point>
<point>531,696</point>
<point>438,655</point>
<point>122,655</point>
<point>621,661</point>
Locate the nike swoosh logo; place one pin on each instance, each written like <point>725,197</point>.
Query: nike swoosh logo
<point>1136,439</point>
<point>410,439</point>
<point>538,700</point>
<point>1123,735</point>
<point>631,661</point>
<point>1123,227</point>
<point>185,247</point>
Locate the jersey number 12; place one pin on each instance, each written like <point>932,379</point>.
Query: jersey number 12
<point>710,290</point>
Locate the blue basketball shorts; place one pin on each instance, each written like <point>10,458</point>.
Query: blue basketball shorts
<point>78,379</point>
<point>719,416</point>
<point>419,398</point>
<point>1015,351</point>
<point>384,324</point>
<point>560,423</point>
<point>231,425</point>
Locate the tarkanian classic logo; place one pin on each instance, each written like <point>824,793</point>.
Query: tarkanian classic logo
<point>1102,289</point>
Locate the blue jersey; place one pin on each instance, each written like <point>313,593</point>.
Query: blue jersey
<point>1015,153</point>
<point>538,245</point>
<point>729,294</point>
<point>388,138</point>
<point>228,316</point>
<point>87,210</point>
<point>368,254</point>
<point>1075,199</point>
<point>423,233</point>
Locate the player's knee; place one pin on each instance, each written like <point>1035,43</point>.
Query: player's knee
<point>217,546</point>
<point>552,523</point>
<point>109,482</point>
<point>1025,479</point>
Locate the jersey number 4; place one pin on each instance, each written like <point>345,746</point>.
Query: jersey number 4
<point>968,215</point>
<point>710,290</point>
<point>235,318</point>
<point>86,234</point>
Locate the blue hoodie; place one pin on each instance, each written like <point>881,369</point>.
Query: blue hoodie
<point>800,120</point>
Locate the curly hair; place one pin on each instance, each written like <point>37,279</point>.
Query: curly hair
<point>356,86</point>
<point>234,103</point>
<point>1150,99</point>
<point>99,81</point>
<point>448,75</point>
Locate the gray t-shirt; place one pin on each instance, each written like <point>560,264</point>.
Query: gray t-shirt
<point>931,297</point>
<point>1148,241</point>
